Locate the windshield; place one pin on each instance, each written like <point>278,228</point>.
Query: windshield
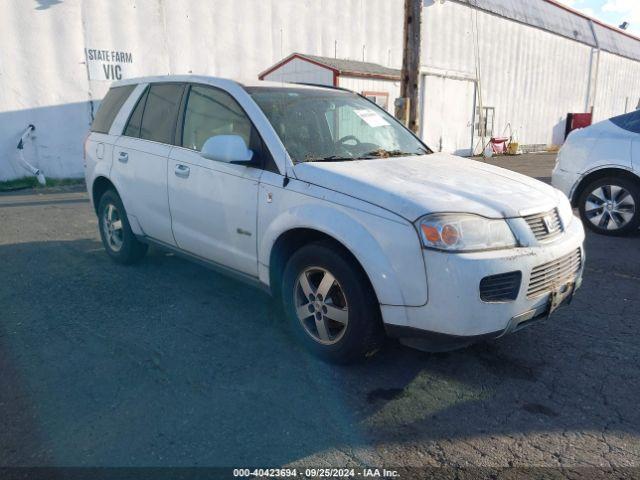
<point>333,125</point>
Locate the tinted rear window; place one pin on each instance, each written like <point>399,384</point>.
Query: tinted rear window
<point>629,121</point>
<point>161,112</point>
<point>133,125</point>
<point>109,108</point>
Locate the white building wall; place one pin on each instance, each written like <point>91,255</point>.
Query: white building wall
<point>618,86</point>
<point>240,38</point>
<point>532,77</point>
<point>43,72</point>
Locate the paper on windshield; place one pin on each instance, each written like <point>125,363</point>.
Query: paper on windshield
<point>372,118</point>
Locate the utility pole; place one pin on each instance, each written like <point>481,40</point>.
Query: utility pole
<point>407,104</point>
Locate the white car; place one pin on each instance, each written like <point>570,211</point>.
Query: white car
<point>598,168</point>
<point>323,198</point>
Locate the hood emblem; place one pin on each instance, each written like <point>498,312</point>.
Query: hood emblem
<point>548,224</point>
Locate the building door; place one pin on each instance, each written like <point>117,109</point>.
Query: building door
<point>447,114</point>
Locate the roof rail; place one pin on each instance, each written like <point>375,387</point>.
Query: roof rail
<point>333,87</point>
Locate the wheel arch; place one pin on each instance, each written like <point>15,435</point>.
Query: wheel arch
<point>100,185</point>
<point>291,241</point>
<point>601,173</point>
<point>284,236</point>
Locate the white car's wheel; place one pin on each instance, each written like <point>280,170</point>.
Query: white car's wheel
<point>118,239</point>
<point>330,303</point>
<point>611,206</point>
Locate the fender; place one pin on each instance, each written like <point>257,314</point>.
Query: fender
<point>396,272</point>
<point>102,171</point>
<point>608,166</point>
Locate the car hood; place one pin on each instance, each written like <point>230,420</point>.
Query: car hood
<point>418,185</point>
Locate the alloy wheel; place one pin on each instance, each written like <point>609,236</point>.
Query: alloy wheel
<point>321,305</point>
<point>112,227</point>
<point>610,207</point>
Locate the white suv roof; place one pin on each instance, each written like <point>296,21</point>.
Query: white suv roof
<point>213,81</point>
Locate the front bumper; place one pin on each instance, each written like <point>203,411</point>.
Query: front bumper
<point>454,307</point>
<point>564,181</point>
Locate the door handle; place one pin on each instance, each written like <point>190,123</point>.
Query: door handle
<point>123,157</point>
<point>182,171</point>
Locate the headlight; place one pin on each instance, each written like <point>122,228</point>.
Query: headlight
<point>565,210</point>
<point>464,232</point>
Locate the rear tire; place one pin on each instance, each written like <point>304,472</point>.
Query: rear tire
<point>118,239</point>
<point>330,304</point>
<point>611,206</point>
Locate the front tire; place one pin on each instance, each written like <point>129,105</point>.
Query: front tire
<point>330,304</point>
<point>118,239</point>
<point>611,206</point>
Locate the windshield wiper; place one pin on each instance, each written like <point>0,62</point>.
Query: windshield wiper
<point>382,153</point>
<point>330,158</point>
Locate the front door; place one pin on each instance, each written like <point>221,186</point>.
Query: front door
<point>214,204</point>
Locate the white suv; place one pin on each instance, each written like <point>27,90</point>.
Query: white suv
<point>323,198</point>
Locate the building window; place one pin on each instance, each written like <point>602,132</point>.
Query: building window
<point>485,129</point>
<point>379,98</point>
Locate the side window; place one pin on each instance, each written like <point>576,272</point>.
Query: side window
<point>161,112</point>
<point>211,112</point>
<point>629,121</point>
<point>135,120</point>
<point>109,108</point>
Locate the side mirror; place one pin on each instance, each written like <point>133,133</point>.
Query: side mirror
<point>227,148</point>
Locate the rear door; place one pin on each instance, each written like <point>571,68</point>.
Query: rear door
<point>140,159</point>
<point>214,204</point>
<point>99,144</point>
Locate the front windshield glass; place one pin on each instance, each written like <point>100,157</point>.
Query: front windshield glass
<point>333,125</point>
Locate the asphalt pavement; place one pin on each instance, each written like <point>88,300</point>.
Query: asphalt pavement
<point>167,363</point>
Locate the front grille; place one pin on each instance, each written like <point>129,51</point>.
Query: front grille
<point>500,288</point>
<point>547,276</point>
<point>546,225</point>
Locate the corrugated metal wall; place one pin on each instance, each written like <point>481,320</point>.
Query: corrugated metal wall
<point>618,88</point>
<point>531,77</point>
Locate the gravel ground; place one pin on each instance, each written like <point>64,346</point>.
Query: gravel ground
<point>169,364</point>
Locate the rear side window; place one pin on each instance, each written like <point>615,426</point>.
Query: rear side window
<point>135,120</point>
<point>629,121</point>
<point>161,112</point>
<point>109,108</point>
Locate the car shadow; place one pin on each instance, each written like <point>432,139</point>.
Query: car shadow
<point>168,363</point>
